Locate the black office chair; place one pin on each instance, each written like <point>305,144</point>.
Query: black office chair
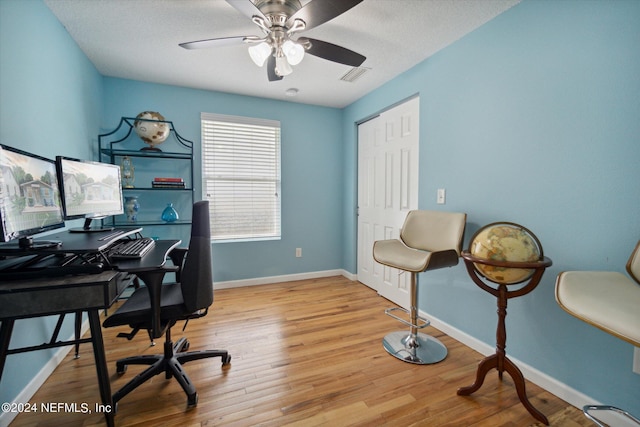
<point>188,298</point>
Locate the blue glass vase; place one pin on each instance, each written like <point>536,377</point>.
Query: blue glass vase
<point>169,214</point>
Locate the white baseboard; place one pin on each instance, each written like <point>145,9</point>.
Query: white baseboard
<point>280,279</point>
<point>36,382</point>
<point>550,384</point>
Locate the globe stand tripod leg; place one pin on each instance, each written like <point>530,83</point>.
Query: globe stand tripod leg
<point>487,364</point>
<point>500,362</point>
<point>518,379</point>
<point>491,362</point>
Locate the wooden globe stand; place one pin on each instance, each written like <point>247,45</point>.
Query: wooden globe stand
<point>499,360</point>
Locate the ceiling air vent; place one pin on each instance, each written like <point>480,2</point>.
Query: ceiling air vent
<point>354,74</point>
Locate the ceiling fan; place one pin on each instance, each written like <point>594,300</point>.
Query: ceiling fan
<point>279,20</point>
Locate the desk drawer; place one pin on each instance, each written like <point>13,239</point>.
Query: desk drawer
<point>123,281</point>
<point>42,297</point>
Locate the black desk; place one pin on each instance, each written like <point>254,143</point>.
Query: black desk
<point>20,299</point>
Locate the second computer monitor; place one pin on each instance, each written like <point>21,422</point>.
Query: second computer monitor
<point>90,190</point>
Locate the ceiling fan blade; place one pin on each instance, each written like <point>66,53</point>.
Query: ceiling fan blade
<point>220,42</point>
<point>318,12</point>
<point>247,8</point>
<point>332,52</point>
<point>271,69</point>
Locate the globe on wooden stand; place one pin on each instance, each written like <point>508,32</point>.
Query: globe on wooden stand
<point>505,254</point>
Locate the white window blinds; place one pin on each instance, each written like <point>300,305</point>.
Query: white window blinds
<point>241,176</point>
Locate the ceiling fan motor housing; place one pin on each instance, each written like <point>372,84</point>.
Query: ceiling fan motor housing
<point>278,11</point>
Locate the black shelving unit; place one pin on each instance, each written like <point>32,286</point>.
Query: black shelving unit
<point>174,159</point>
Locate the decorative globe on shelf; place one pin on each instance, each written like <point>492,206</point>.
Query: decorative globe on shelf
<point>505,241</point>
<point>151,132</point>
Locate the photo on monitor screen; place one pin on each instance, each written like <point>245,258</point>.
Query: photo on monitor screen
<point>29,195</point>
<point>90,190</point>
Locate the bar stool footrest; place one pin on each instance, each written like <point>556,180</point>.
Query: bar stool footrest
<point>424,324</point>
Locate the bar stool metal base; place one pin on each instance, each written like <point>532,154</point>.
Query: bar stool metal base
<point>600,423</point>
<point>420,349</point>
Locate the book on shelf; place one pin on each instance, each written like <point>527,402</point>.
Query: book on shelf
<point>155,184</point>
<point>164,179</point>
<point>167,182</point>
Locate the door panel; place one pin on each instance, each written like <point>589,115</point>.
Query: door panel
<point>387,190</point>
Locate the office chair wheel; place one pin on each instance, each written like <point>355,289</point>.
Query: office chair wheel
<point>121,368</point>
<point>181,345</point>
<point>226,360</point>
<point>192,400</point>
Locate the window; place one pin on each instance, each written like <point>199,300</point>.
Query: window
<point>241,176</point>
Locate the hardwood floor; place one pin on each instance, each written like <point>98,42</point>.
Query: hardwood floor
<point>304,353</point>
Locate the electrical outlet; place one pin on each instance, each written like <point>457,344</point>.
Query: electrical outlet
<point>440,199</point>
<point>298,252</point>
<point>636,360</point>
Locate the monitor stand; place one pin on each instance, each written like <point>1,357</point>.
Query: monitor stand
<point>87,228</point>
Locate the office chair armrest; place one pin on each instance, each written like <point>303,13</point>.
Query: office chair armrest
<point>177,256</point>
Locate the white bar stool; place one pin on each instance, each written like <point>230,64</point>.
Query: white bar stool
<point>607,300</point>
<point>428,240</point>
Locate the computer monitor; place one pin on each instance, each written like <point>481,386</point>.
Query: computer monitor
<point>90,190</point>
<point>29,199</point>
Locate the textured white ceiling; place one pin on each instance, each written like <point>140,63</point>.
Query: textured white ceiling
<point>138,39</point>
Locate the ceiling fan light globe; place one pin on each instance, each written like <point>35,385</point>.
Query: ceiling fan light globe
<point>282,66</point>
<point>259,53</point>
<point>293,51</point>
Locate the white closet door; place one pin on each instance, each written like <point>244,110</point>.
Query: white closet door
<point>387,190</point>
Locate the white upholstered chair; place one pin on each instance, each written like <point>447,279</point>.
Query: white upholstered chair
<point>607,300</point>
<point>428,240</point>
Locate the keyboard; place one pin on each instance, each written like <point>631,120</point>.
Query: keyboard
<point>132,249</point>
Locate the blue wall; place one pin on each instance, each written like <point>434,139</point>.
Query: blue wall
<point>51,103</point>
<point>311,173</point>
<point>533,118</point>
